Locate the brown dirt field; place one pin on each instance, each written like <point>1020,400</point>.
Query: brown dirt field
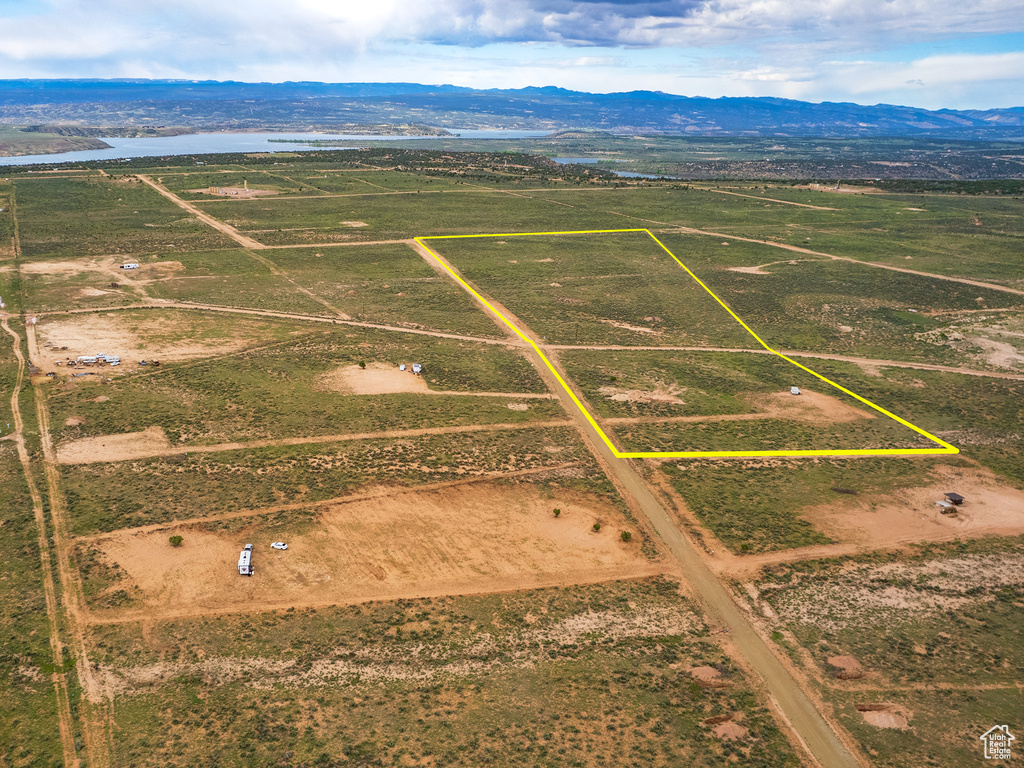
<point>123,447</point>
<point>133,338</point>
<point>846,667</point>
<point>809,407</point>
<point>375,379</point>
<point>705,673</point>
<point>909,514</point>
<point>663,393</point>
<point>68,268</point>
<point>474,538</point>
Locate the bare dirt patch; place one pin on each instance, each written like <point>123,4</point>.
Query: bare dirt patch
<point>910,514</point>
<point>472,538</point>
<point>134,337</point>
<point>374,379</point>
<point>74,421</point>
<point>662,393</point>
<point>885,715</point>
<point>242,192</point>
<point>634,328</point>
<point>808,407</point>
<point>88,293</point>
<point>63,268</point>
<point>749,270</point>
<point>846,668</point>
<point>123,447</point>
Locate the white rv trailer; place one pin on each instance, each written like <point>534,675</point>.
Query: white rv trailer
<point>245,561</point>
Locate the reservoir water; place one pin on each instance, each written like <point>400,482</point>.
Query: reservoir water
<point>211,143</point>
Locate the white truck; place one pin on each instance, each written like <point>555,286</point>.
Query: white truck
<point>245,561</point>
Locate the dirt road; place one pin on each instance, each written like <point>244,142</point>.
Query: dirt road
<point>65,721</point>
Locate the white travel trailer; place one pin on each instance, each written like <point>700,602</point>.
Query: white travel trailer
<point>245,561</point>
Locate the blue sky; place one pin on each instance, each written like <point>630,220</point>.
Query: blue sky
<point>928,53</point>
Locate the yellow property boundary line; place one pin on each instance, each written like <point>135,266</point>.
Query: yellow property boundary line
<point>945,448</point>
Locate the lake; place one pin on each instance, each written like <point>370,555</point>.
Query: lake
<point>212,143</point>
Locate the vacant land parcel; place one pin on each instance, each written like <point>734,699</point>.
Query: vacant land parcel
<point>470,578</point>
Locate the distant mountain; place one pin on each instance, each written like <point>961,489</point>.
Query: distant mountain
<point>298,105</point>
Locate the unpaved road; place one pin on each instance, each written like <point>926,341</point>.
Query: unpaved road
<point>65,722</point>
<point>792,702</point>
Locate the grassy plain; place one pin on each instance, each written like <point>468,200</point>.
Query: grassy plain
<point>67,217</point>
<point>388,284</point>
<point>547,677</point>
<point>285,388</point>
<point>579,675</point>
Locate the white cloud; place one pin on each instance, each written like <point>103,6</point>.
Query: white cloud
<point>812,49</point>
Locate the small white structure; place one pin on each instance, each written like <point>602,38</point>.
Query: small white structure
<point>794,390</point>
<point>245,561</point>
<point>88,359</point>
<point>401,367</point>
<point>417,368</point>
<point>131,265</point>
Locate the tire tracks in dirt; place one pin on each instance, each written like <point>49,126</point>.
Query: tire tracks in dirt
<point>65,721</point>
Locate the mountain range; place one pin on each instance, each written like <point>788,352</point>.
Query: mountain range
<point>214,105</point>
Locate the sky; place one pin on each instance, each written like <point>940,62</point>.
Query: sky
<point>924,53</point>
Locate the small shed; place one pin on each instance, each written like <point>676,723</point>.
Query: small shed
<point>954,498</point>
<point>794,390</point>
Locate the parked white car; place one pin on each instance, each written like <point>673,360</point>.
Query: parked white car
<point>279,545</point>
